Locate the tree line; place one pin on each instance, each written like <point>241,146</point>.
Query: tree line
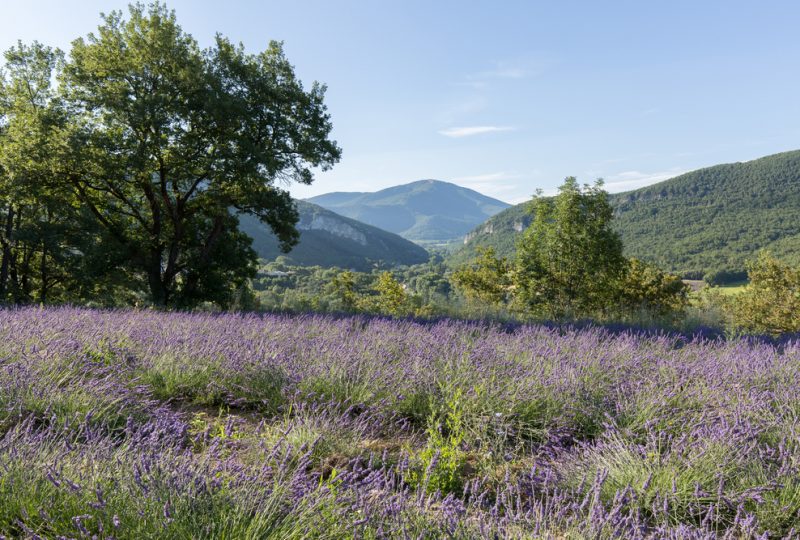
<point>124,165</point>
<point>569,266</point>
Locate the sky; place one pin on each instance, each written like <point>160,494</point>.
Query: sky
<point>508,97</point>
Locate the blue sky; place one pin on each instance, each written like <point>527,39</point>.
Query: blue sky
<point>508,97</point>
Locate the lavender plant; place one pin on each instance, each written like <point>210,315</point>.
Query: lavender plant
<point>139,424</point>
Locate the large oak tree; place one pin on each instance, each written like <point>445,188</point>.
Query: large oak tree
<point>168,142</point>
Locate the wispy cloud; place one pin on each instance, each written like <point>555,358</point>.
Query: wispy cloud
<point>519,68</point>
<point>628,180</point>
<point>503,70</point>
<point>482,79</point>
<point>464,107</point>
<point>469,131</point>
<point>508,71</point>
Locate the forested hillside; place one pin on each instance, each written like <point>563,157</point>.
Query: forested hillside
<point>704,223</point>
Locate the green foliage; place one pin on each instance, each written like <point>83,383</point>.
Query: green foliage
<point>644,287</point>
<point>569,258</point>
<point>344,288</point>
<point>440,463</point>
<point>419,290</point>
<point>340,387</point>
<point>569,263</point>
<point>281,287</point>
<point>725,277</point>
<point>487,279</point>
<point>257,387</point>
<point>708,307</point>
<point>245,299</point>
<point>713,468</point>
<point>43,232</point>
<point>391,298</point>
<point>770,303</point>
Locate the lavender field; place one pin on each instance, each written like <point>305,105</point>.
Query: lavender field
<point>135,424</point>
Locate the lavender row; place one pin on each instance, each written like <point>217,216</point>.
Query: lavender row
<point>136,424</point>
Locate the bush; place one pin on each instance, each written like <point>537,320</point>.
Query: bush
<point>647,288</point>
<point>439,464</point>
<point>770,303</point>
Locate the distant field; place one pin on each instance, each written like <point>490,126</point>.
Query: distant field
<point>730,290</point>
<point>695,284</point>
<point>138,424</point>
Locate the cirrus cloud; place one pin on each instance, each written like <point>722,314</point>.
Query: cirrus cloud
<point>469,131</point>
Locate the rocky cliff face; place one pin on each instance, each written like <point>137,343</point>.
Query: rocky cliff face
<point>330,240</point>
<point>487,228</point>
<point>333,226</point>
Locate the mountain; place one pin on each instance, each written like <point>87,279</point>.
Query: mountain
<point>426,211</point>
<point>703,223</point>
<point>328,239</point>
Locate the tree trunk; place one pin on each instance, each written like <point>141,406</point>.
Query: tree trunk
<point>6,255</point>
<point>43,275</point>
<point>25,276</point>
<point>193,277</point>
<point>17,270</point>
<point>158,291</point>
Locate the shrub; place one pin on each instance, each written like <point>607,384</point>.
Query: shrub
<point>725,277</point>
<point>647,288</point>
<point>440,462</point>
<point>770,303</point>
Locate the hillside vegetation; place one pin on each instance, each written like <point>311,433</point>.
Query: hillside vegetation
<point>328,239</point>
<point>703,223</point>
<point>426,211</point>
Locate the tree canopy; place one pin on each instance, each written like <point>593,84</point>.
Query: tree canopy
<point>770,303</point>
<point>569,258</point>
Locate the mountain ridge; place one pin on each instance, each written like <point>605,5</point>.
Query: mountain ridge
<point>424,211</point>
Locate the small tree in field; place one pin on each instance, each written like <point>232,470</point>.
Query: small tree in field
<point>392,298</point>
<point>646,288</point>
<point>343,286</point>
<point>770,304</point>
<point>569,260</point>
<point>488,279</point>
